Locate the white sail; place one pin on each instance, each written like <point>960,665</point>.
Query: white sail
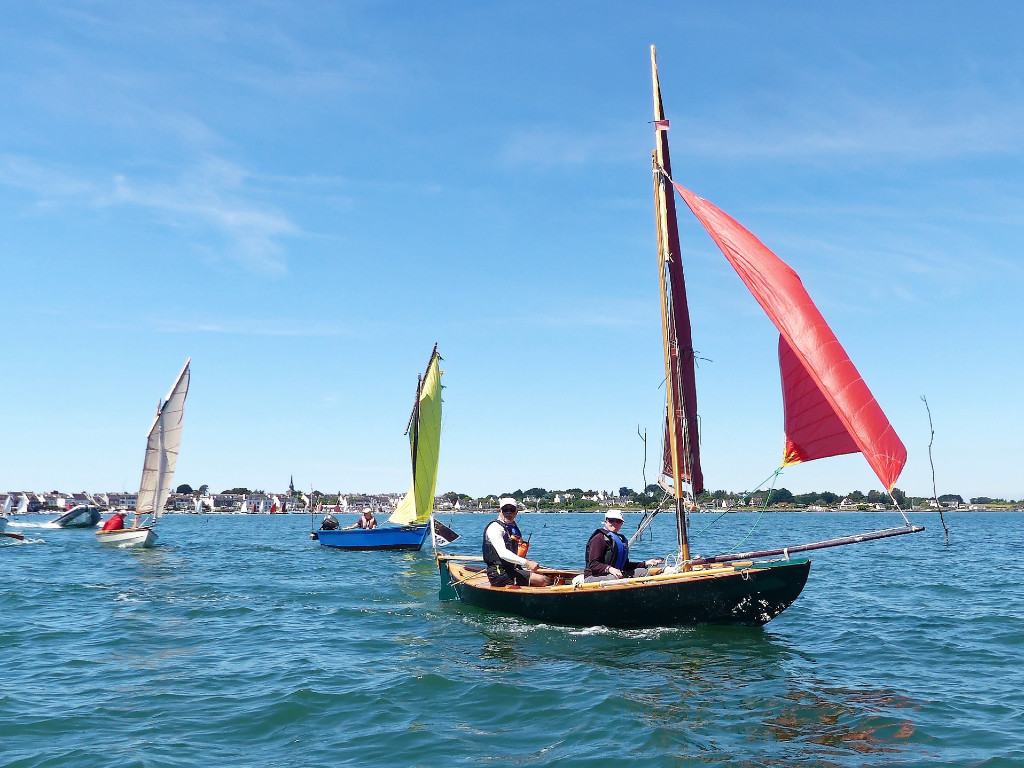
<point>22,505</point>
<point>7,506</point>
<point>162,445</point>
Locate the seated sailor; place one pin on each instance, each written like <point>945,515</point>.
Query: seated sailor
<point>608,552</point>
<point>502,537</point>
<point>114,523</point>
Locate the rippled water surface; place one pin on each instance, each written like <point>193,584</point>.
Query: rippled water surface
<point>237,641</point>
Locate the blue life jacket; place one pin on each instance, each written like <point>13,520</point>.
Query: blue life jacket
<point>617,554</point>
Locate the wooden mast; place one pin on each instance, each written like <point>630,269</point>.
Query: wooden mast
<point>664,254</point>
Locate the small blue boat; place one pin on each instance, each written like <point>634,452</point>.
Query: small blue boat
<point>408,538</point>
<point>413,517</point>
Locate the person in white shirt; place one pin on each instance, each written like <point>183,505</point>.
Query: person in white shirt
<point>505,567</point>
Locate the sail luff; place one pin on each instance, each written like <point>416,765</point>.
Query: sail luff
<point>671,462</point>
<point>414,435</point>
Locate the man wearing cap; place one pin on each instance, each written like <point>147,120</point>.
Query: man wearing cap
<point>608,553</point>
<point>501,537</point>
<point>367,521</point>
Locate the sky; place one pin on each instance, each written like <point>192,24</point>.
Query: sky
<point>304,197</point>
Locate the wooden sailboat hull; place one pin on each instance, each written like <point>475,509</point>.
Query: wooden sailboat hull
<point>128,537</point>
<point>408,538</point>
<point>748,594</point>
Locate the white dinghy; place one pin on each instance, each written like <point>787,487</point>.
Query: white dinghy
<point>162,445</point>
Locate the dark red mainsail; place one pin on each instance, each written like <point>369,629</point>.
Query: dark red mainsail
<point>679,347</point>
<point>829,410</point>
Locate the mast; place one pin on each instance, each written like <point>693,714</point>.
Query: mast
<point>414,424</point>
<point>162,454</point>
<point>682,448</point>
<point>145,464</point>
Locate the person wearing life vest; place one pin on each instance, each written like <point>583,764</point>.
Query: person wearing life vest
<point>114,523</point>
<point>608,553</point>
<point>367,521</point>
<point>502,537</point>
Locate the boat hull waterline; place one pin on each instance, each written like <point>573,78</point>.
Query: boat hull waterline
<point>128,537</point>
<point>405,538</point>
<point>745,594</point>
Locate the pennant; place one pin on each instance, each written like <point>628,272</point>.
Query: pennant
<point>443,534</point>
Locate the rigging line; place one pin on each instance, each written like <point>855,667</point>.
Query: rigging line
<point>771,477</point>
<point>764,509</point>
<point>647,519</point>
<point>899,509</point>
<point>705,528</point>
<point>661,169</point>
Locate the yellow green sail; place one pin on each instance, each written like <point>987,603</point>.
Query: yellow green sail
<point>425,447</point>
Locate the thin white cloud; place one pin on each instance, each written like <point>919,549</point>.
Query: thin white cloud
<point>253,327</point>
<point>560,145</point>
<point>808,130</point>
<point>210,198</point>
<point>868,128</point>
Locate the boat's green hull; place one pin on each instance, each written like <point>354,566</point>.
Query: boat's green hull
<point>752,594</point>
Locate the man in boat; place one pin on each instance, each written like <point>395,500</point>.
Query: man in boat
<point>502,537</point>
<point>367,521</point>
<point>114,523</point>
<point>608,553</point>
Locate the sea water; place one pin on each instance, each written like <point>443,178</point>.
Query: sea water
<point>238,641</point>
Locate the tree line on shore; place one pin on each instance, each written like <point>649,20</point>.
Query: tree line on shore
<point>579,499</point>
<point>652,495</point>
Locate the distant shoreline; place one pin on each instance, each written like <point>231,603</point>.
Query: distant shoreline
<point>493,511</point>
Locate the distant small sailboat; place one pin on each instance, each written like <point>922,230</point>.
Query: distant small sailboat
<point>412,520</point>
<point>79,516</point>
<point>162,444</point>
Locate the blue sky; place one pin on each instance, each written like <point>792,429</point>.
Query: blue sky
<point>304,197</point>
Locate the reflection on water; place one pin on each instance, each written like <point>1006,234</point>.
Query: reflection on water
<point>746,685</point>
